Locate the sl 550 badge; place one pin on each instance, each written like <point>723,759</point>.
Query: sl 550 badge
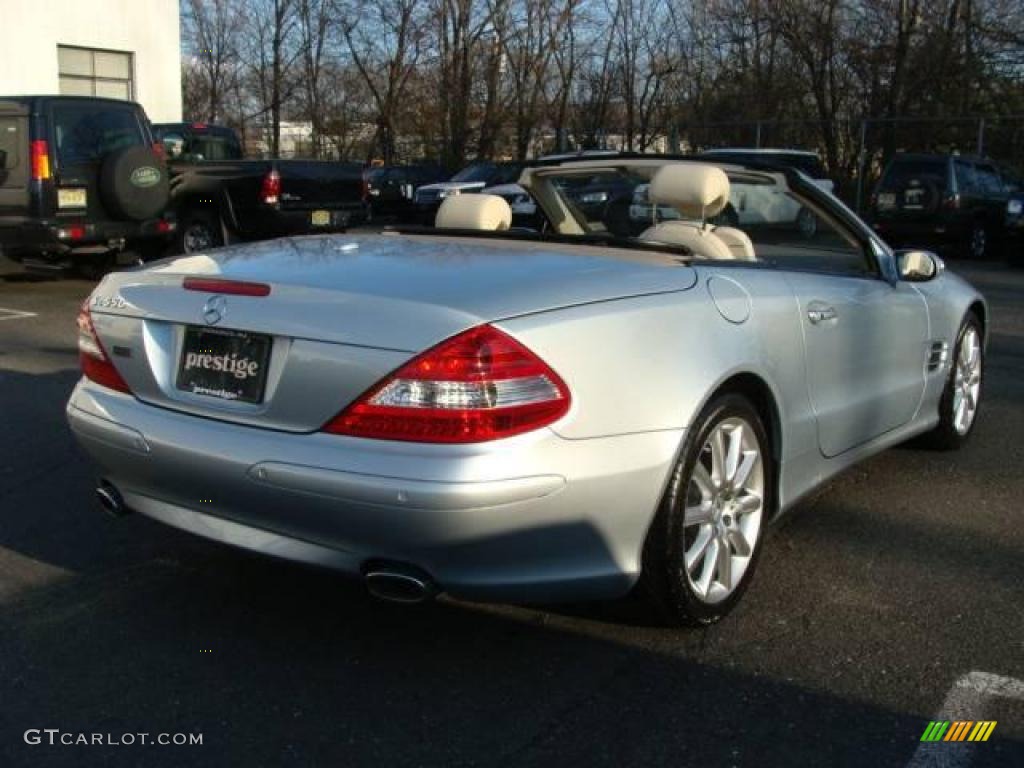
<point>109,302</point>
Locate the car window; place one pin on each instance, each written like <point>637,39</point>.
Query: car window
<point>10,144</point>
<point>506,174</point>
<point>990,182</point>
<point>924,172</point>
<point>965,178</point>
<point>213,146</point>
<point>783,229</point>
<point>86,132</point>
<point>476,172</point>
<point>790,232</point>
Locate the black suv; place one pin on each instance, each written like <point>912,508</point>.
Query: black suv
<point>391,187</point>
<point>940,201</point>
<point>80,179</point>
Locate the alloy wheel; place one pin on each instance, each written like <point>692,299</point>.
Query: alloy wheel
<point>979,242</point>
<point>724,510</point>
<point>967,381</point>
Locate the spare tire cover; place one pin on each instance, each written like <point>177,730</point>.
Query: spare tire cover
<point>133,183</point>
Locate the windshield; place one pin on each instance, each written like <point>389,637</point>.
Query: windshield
<point>807,163</point>
<point>908,172</point>
<point>762,220</point>
<point>476,172</point>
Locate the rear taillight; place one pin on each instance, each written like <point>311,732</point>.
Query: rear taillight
<point>480,385</point>
<point>270,189</point>
<point>159,151</point>
<point>93,359</point>
<point>40,152</point>
<point>951,202</point>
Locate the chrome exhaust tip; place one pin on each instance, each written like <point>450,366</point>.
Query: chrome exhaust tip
<point>399,586</point>
<point>110,499</point>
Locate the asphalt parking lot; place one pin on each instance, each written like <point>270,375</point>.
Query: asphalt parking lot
<point>893,598</point>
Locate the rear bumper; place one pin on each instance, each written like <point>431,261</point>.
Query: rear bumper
<point>78,236</point>
<point>269,221</point>
<point>532,518</point>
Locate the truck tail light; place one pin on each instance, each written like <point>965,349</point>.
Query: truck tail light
<point>479,385</point>
<point>92,358</point>
<point>40,152</point>
<point>270,189</point>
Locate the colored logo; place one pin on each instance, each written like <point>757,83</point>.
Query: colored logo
<point>958,730</point>
<point>145,176</point>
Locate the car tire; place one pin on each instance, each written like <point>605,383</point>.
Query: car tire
<point>963,390</point>
<point>807,223</point>
<point>978,241</point>
<point>198,231</point>
<point>705,541</point>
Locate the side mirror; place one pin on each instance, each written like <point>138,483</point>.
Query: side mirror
<point>918,266</point>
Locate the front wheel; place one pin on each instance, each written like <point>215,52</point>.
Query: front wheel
<point>705,542</point>
<point>961,398</point>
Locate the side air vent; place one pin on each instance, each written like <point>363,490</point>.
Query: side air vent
<point>938,354</point>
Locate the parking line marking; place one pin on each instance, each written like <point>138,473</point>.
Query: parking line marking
<point>15,314</point>
<point>965,700</point>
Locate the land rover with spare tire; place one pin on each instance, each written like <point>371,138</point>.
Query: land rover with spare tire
<point>82,183</point>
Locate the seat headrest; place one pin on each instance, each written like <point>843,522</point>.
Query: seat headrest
<point>696,190</point>
<point>474,211</point>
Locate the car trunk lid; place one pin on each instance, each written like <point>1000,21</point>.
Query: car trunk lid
<point>344,311</point>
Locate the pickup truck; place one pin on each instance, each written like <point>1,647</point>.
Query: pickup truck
<point>219,198</point>
<point>82,183</point>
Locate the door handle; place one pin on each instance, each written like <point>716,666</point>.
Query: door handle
<point>820,313</point>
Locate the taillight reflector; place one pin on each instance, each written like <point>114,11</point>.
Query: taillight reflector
<point>479,385</point>
<point>40,152</point>
<point>230,287</point>
<point>270,189</point>
<point>92,358</point>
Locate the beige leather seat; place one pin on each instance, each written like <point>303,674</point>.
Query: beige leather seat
<point>474,211</point>
<point>698,192</point>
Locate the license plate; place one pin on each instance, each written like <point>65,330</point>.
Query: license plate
<point>224,364</point>
<point>321,218</point>
<point>71,198</point>
<point>886,201</point>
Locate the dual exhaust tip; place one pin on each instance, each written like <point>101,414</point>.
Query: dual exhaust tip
<point>110,499</point>
<point>399,584</point>
<point>394,582</point>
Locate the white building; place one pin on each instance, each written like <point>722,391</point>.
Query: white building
<point>126,49</point>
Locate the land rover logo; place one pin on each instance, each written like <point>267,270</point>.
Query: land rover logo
<point>146,176</point>
<point>214,309</point>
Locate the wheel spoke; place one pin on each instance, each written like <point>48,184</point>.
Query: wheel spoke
<point>748,502</point>
<point>724,565</point>
<point>703,481</point>
<point>739,542</point>
<point>703,583</point>
<point>744,469</point>
<point>732,458</point>
<point>717,457</point>
<point>699,547</point>
<point>697,514</point>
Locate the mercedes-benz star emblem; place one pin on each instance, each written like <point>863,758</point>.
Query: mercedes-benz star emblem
<point>214,309</point>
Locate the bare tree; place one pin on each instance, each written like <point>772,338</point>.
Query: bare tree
<point>384,39</point>
<point>211,32</point>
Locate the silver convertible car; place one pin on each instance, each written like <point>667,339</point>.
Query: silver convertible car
<point>527,415</point>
